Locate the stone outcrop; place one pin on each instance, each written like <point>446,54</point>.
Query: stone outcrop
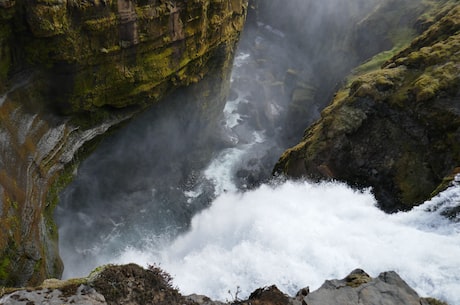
<point>108,285</point>
<point>395,129</point>
<point>360,288</point>
<point>69,71</point>
<point>131,284</point>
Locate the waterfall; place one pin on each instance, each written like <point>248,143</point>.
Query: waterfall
<point>218,230</point>
<point>298,234</point>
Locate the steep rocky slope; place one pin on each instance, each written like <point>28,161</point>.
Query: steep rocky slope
<point>115,53</point>
<point>131,284</point>
<point>70,70</point>
<point>395,129</point>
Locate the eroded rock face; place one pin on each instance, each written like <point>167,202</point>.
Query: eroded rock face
<point>70,70</point>
<point>395,129</point>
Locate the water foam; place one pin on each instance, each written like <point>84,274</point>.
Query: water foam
<point>299,234</point>
<point>296,234</point>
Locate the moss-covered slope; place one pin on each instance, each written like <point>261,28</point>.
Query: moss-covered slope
<point>395,129</point>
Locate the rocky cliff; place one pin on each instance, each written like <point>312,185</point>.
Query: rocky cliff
<point>131,284</point>
<point>69,71</point>
<point>92,54</point>
<point>395,128</point>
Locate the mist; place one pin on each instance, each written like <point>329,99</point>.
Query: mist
<point>298,234</point>
<point>167,188</point>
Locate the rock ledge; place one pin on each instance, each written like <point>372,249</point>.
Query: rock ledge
<point>131,284</point>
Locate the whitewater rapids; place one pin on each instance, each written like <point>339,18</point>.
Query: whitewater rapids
<point>292,234</point>
<point>298,234</point>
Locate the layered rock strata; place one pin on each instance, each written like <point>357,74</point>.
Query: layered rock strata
<point>70,70</point>
<point>395,129</point>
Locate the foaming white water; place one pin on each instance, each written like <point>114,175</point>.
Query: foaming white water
<point>299,234</point>
<point>240,59</point>
<point>231,114</point>
<point>220,170</point>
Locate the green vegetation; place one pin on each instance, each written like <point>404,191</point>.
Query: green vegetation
<point>4,264</point>
<point>432,301</point>
<point>356,279</point>
<point>52,199</point>
<point>396,97</point>
<point>400,38</point>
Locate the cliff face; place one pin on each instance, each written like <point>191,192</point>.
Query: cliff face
<point>397,128</point>
<point>116,53</point>
<point>319,52</point>
<point>70,70</point>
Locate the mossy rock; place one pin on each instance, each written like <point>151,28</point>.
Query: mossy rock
<point>357,278</point>
<point>433,301</point>
<point>391,129</point>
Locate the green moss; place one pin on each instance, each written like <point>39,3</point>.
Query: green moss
<point>96,271</point>
<point>6,290</point>
<point>435,80</point>
<point>101,24</point>
<point>357,279</point>
<point>432,301</point>
<point>61,182</point>
<point>425,88</point>
<point>67,287</point>
<point>47,21</point>
<point>434,10</point>
<point>446,182</point>
<point>8,258</point>
<point>375,62</point>
<point>400,38</point>
<point>4,264</point>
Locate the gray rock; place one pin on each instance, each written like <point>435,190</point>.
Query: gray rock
<point>133,285</point>
<point>359,289</point>
<point>84,295</point>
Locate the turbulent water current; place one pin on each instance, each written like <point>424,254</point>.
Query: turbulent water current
<point>214,233</point>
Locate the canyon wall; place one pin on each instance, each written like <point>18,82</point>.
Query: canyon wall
<point>394,125</point>
<point>69,71</point>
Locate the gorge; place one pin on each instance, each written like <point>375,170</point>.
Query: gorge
<point>187,184</point>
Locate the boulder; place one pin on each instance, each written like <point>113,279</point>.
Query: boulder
<point>359,288</point>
